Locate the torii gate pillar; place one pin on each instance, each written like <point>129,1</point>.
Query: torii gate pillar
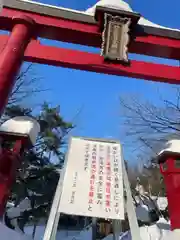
<point>12,56</point>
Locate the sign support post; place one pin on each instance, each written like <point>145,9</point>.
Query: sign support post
<point>94,228</point>
<point>117,229</point>
<point>54,215</point>
<point>133,223</point>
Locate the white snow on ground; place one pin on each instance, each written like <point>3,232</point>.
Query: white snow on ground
<point>121,5</point>
<point>13,212</point>
<point>142,212</point>
<point>161,202</point>
<point>8,234</point>
<point>61,234</point>
<point>16,211</point>
<point>154,232</point>
<point>157,231</point>
<point>83,235</point>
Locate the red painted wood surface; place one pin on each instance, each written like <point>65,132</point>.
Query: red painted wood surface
<point>42,54</point>
<point>88,34</point>
<point>12,55</point>
<point>10,160</point>
<point>172,180</point>
<point>12,50</point>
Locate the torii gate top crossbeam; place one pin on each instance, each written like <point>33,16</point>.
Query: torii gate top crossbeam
<point>80,16</point>
<point>77,27</point>
<point>81,28</point>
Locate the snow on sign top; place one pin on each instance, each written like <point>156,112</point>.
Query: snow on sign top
<point>93,182</point>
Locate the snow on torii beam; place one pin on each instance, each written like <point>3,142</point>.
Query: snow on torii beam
<point>77,27</point>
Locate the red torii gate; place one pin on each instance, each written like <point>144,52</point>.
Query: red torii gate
<point>28,21</point>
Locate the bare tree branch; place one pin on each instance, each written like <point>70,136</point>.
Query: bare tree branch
<point>147,125</point>
<point>25,86</point>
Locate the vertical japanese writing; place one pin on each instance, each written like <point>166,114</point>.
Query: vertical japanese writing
<point>93,176</point>
<point>74,188</point>
<point>86,156</point>
<point>116,179</point>
<point>108,180</point>
<point>115,37</point>
<point>100,176</point>
<point>93,179</point>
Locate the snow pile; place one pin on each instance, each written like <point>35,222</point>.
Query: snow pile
<point>157,231</point>
<point>83,235</point>
<point>14,212</point>
<point>7,234</point>
<point>61,234</point>
<point>121,5</point>
<point>142,213</point>
<point>116,4</point>
<point>161,202</point>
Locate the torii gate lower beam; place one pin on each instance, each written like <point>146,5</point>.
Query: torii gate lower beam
<point>15,52</point>
<point>38,53</point>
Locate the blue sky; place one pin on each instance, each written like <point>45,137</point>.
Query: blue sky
<point>96,95</point>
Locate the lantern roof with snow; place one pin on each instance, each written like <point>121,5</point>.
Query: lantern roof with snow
<point>22,126</point>
<point>170,149</point>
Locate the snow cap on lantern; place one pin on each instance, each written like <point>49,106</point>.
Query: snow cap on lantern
<point>21,126</point>
<point>170,149</point>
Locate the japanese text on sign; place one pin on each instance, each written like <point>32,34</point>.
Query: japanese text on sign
<point>93,180</point>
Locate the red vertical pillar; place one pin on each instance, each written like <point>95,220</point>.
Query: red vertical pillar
<point>11,59</point>
<point>9,162</point>
<point>12,55</point>
<point>172,181</point>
